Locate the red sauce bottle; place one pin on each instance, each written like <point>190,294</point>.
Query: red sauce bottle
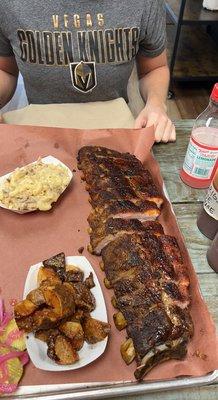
<point>212,254</point>
<point>201,158</point>
<point>207,221</point>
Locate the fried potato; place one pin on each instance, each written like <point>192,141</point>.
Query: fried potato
<point>61,351</point>
<point>57,263</point>
<point>60,298</point>
<point>26,324</point>
<point>44,335</point>
<point>45,318</point>
<point>74,331</point>
<point>73,274</point>
<point>95,330</point>
<point>89,282</point>
<point>84,298</point>
<point>47,275</point>
<point>24,308</point>
<point>36,297</point>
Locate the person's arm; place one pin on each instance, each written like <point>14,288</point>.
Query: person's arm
<point>8,79</point>
<point>154,81</point>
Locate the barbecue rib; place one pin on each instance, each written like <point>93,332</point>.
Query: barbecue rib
<point>102,234</point>
<point>142,264</point>
<point>111,175</point>
<point>150,286</point>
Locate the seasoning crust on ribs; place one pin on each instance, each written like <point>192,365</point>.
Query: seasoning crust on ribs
<point>143,265</point>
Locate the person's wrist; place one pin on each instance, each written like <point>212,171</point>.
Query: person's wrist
<point>155,102</point>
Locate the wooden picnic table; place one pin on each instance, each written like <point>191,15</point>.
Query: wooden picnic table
<point>186,204</point>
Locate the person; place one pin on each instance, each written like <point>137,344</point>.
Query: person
<point>84,51</point>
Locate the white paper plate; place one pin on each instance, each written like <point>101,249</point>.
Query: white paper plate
<point>45,160</point>
<point>38,350</point>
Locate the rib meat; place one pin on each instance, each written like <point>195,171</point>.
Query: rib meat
<point>102,234</point>
<point>142,210</point>
<point>111,175</point>
<point>142,264</point>
<point>148,277</point>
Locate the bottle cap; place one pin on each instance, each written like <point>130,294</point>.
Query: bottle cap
<point>214,94</point>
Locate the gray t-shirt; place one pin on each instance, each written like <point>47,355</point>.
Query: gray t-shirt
<point>82,50</point>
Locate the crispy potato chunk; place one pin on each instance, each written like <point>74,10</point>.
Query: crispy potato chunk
<point>71,329</point>
<point>79,315</point>
<point>119,320</point>
<point>44,335</point>
<point>60,298</point>
<point>47,275</point>
<point>74,331</point>
<point>24,308</point>
<point>61,350</point>
<point>84,298</point>
<point>57,263</point>
<point>26,324</point>
<point>95,330</point>
<point>45,318</point>
<point>127,350</point>
<point>89,282</point>
<point>36,297</point>
<point>73,274</point>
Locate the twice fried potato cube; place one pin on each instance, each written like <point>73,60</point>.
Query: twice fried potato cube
<point>24,308</point>
<point>48,275</point>
<point>95,330</point>
<point>44,335</point>
<point>61,350</point>
<point>45,318</point>
<point>26,324</point>
<point>84,299</point>
<point>57,263</point>
<point>71,329</point>
<point>119,321</point>
<point>60,298</point>
<point>73,274</point>
<point>127,351</point>
<point>89,282</point>
<point>79,315</point>
<point>36,297</point>
<point>74,331</point>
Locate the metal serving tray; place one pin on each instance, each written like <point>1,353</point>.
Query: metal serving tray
<point>100,390</point>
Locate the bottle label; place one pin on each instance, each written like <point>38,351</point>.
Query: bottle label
<point>211,202</point>
<point>200,160</point>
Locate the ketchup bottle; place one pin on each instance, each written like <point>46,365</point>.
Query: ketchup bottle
<point>201,158</point>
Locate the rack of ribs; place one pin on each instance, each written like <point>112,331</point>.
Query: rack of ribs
<point>142,264</point>
<point>151,293</point>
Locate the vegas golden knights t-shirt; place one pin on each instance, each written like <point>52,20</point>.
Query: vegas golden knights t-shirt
<point>79,50</point>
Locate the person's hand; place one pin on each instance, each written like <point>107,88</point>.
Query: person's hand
<point>156,115</point>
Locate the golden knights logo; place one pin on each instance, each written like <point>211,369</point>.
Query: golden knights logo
<point>83,76</point>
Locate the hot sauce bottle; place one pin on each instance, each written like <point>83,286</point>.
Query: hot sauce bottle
<point>212,254</point>
<point>207,221</point>
<point>201,158</point>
